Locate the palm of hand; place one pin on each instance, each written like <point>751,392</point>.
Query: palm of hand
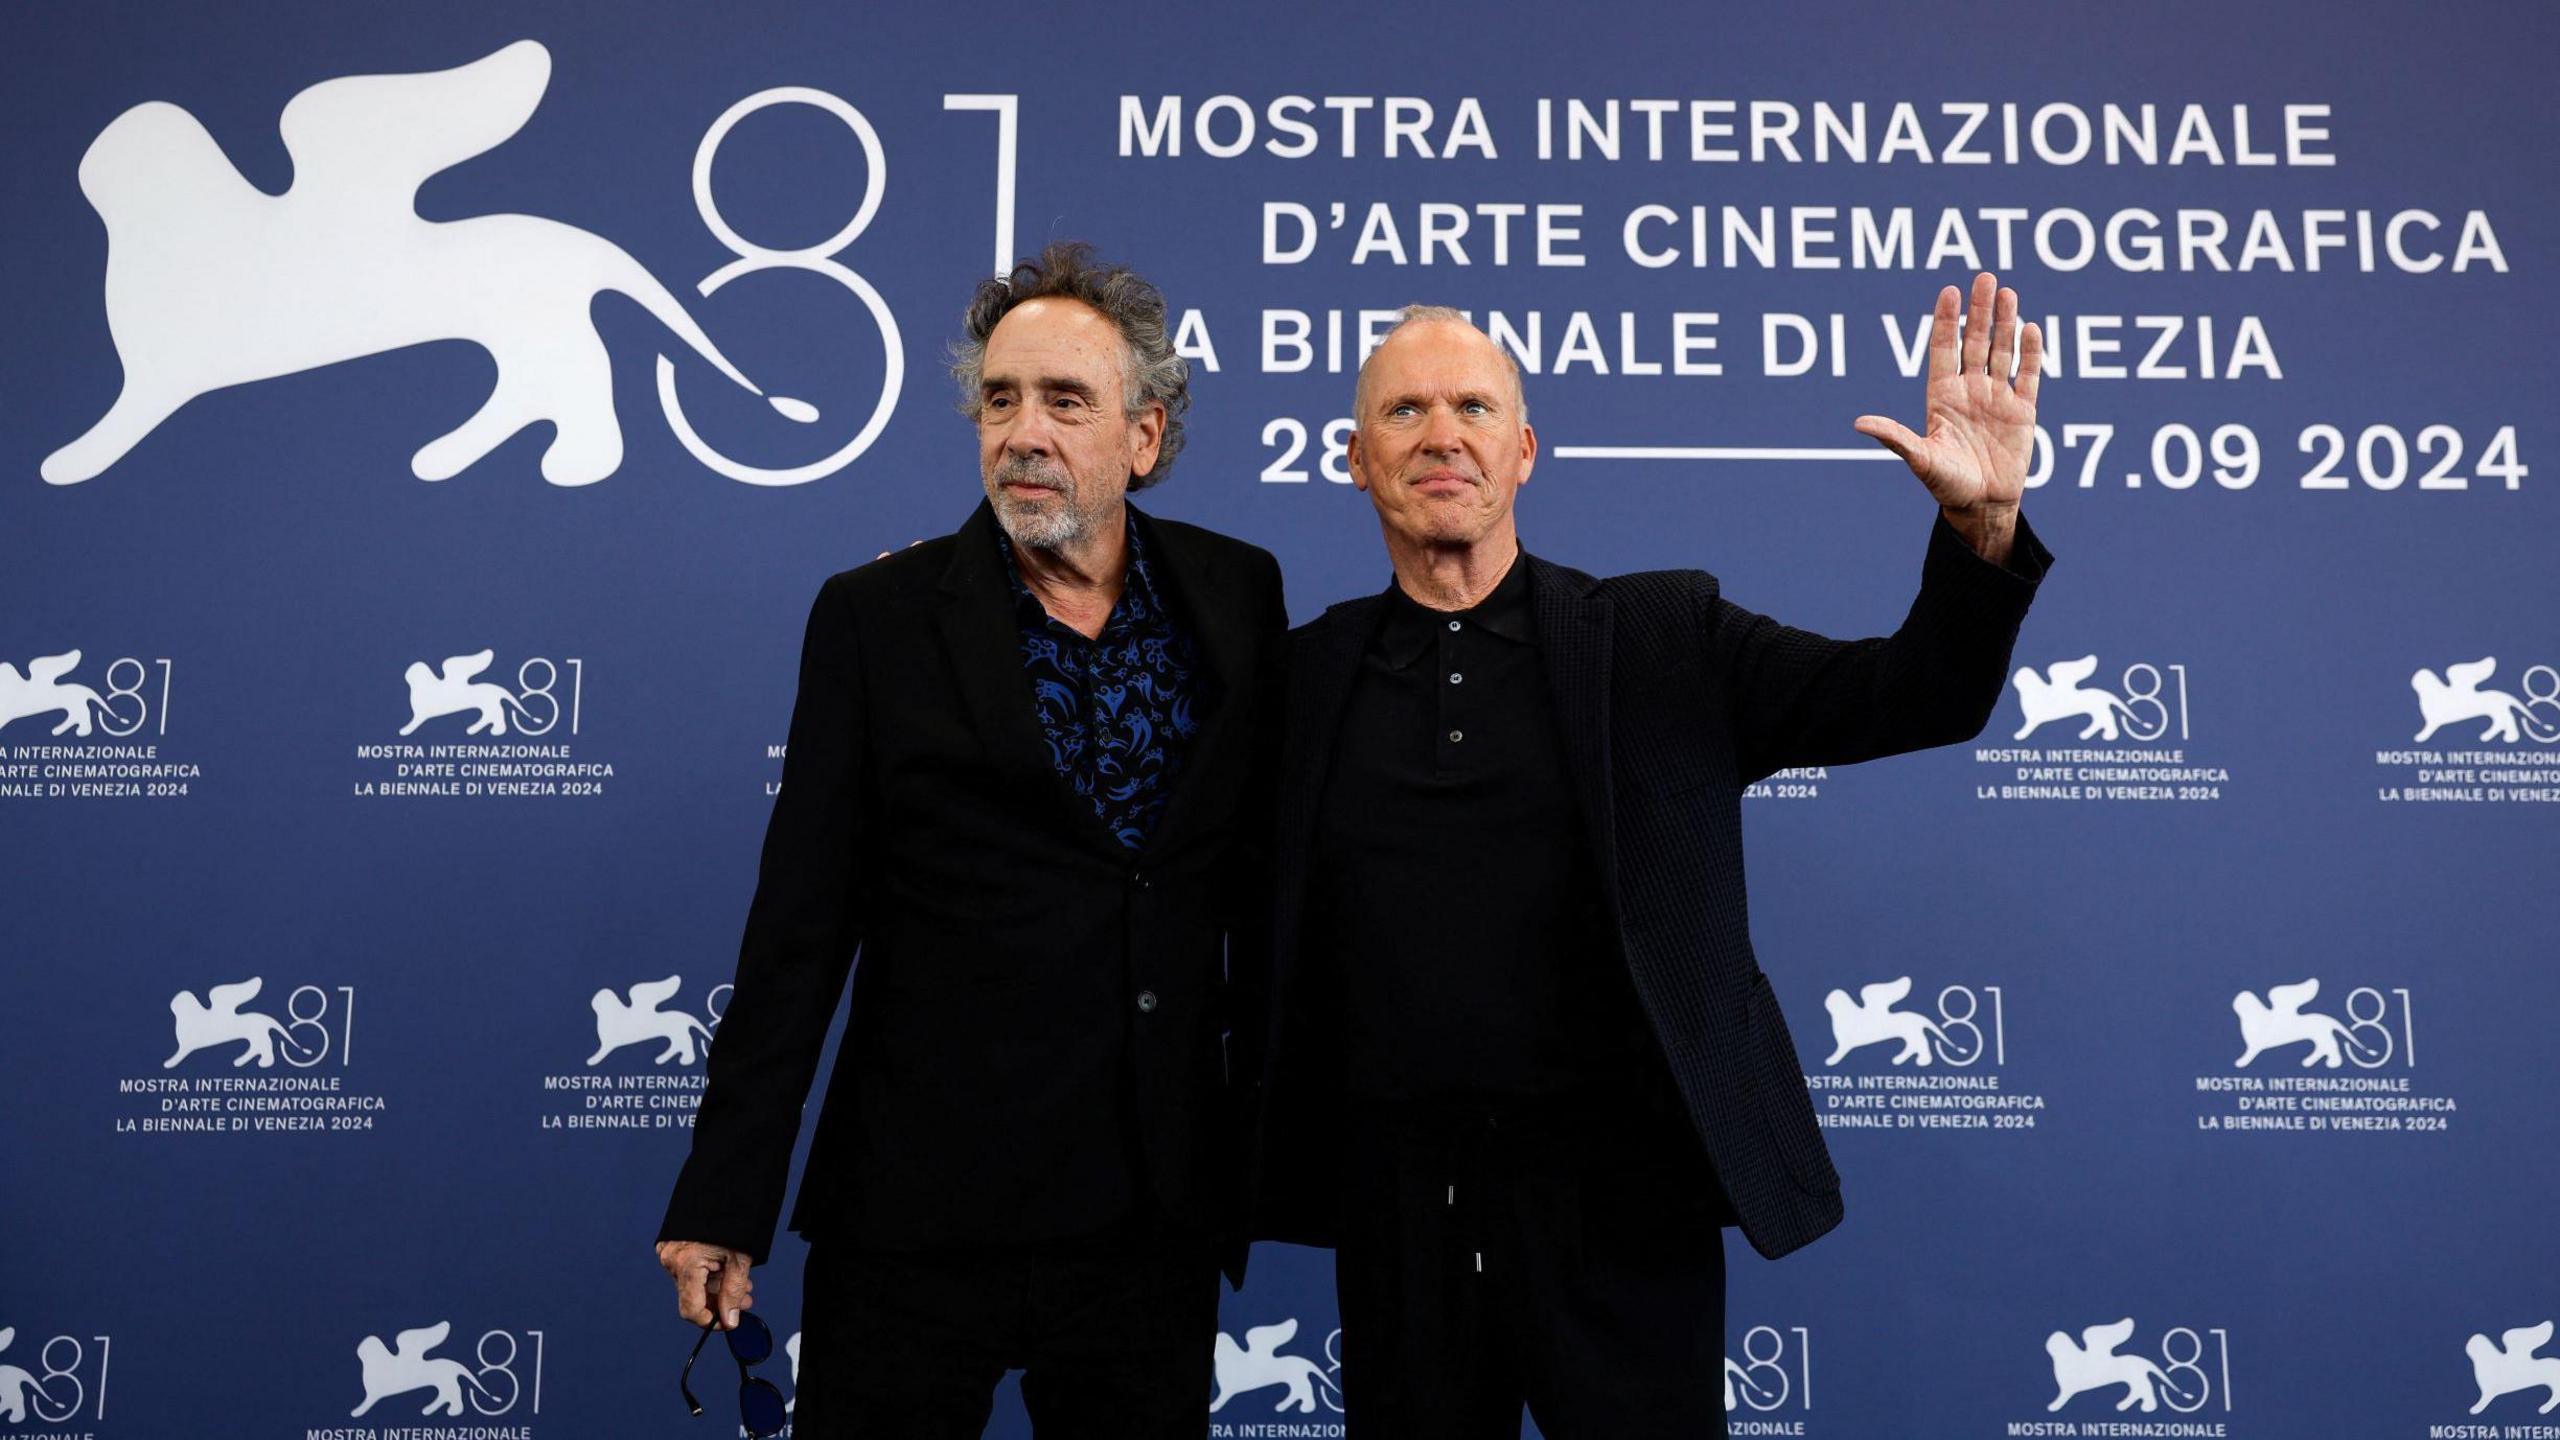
<point>1981,423</point>
<point>1980,441</point>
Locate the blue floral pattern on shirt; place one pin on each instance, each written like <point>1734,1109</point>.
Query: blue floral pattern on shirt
<point>1118,710</point>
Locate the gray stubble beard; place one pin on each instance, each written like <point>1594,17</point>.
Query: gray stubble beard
<point>1038,526</point>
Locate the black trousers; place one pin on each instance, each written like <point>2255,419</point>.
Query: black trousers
<point>1114,1337</point>
<point>1490,1261</point>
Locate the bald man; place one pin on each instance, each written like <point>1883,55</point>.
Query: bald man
<point>1521,1064</point>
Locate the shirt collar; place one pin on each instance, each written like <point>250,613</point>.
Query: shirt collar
<point>1139,600</point>
<point>1408,627</point>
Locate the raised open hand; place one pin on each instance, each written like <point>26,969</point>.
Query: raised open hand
<point>1981,433</point>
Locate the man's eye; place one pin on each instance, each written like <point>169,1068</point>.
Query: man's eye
<point>999,402</point>
<point>1478,407</point>
<point>1066,402</point>
<point>1400,410</point>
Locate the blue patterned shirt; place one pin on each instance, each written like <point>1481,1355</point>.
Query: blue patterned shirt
<point>1119,710</point>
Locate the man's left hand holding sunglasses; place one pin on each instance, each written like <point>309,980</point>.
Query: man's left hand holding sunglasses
<point>708,1277</point>
<point>711,1280</point>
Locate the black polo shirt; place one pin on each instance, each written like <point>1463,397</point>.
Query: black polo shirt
<point>1472,957</point>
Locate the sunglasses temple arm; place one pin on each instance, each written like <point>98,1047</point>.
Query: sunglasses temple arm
<point>684,1382</point>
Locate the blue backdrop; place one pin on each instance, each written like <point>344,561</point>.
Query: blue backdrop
<point>2296,505</point>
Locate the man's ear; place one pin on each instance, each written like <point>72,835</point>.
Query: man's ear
<point>1150,426</point>
<point>1355,455</point>
<point>1528,450</point>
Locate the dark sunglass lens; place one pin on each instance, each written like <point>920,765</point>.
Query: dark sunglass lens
<point>760,1407</point>
<point>751,1342</point>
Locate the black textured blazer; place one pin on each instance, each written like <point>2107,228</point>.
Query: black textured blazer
<point>1037,1027</point>
<point>1671,700</point>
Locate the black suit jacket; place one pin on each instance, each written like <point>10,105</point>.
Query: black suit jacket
<point>1671,700</point>
<point>1037,1020</point>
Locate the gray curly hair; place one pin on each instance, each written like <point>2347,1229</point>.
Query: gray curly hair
<point>1151,373</point>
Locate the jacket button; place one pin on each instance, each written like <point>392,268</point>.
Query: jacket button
<point>1138,881</point>
<point>1146,1002</point>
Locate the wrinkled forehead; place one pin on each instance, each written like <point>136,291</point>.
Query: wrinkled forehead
<point>1053,337</point>
<point>1431,360</point>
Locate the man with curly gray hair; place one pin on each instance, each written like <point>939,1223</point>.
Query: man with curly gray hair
<point>1021,766</point>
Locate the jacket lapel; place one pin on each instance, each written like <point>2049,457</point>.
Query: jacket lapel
<point>1219,621</point>
<point>985,647</point>
<point>1574,639</point>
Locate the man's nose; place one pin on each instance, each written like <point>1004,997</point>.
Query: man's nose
<point>1442,434</point>
<point>1030,434</point>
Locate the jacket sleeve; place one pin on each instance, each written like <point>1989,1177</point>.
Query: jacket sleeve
<point>1797,698</point>
<point>802,931</point>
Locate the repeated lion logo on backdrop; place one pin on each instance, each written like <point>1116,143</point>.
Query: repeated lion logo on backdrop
<point>2058,694</point>
<point>1257,1364</point>
<point>43,691</point>
<point>1759,1395</point>
<point>452,687</point>
<point>405,1365</point>
<point>639,1020</point>
<point>2281,1020</point>
<point>2510,1366</point>
<point>2456,696</point>
<point>211,282</point>
<point>1870,1019</point>
<point>2091,1363</point>
<point>218,1020</point>
<point>17,1383</point>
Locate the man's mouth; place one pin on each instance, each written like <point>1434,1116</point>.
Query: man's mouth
<point>1442,481</point>
<point>1026,481</point>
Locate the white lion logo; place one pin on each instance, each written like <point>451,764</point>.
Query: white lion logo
<point>1762,1397</point>
<point>212,282</point>
<point>1871,1020</point>
<point>2458,697</point>
<point>638,1021</point>
<point>219,1020</point>
<point>2281,1020</point>
<point>1258,1364</point>
<point>2503,1368</point>
<point>16,1383</point>
<point>40,692</point>
<point>2058,693</point>
<point>400,1369</point>
<point>2092,1364</point>
<point>451,688</point>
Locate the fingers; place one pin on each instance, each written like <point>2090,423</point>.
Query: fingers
<point>734,1291</point>
<point>1977,333</point>
<point>2004,332</point>
<point>1894,435</point>
<point>1942,335</point>
<point>2030,362</point>
<point>692,1271</point>
<point>707,1276</point>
